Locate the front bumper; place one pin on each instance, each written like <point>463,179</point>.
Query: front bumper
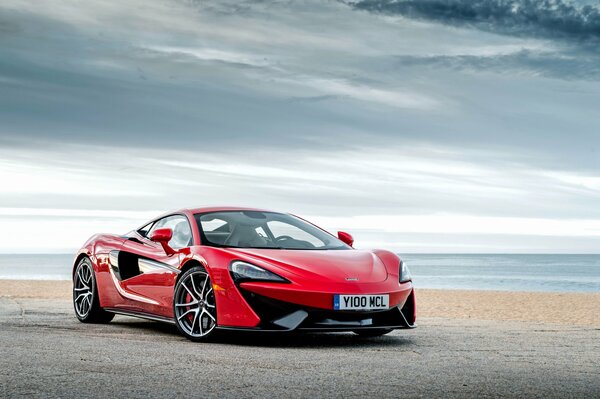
<point>282,316</point>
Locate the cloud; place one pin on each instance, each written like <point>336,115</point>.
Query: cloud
<point>211,54</point>
<point>566,36</point>
<point>340,88</point>
<point>309,107</point>
<point>554,19</point>
<point>568,66</point>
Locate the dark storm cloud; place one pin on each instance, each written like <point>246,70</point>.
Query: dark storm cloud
<point>574,28</point>
<point>528,18</point>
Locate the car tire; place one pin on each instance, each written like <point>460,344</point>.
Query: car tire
<point>194,305</point>
<point>375,332</point>
<point>85,295</point>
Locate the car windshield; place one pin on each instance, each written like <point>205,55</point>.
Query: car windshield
<point>253,229</point>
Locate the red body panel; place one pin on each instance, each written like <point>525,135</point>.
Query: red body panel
<point>154,288</point>
<point>314,275</point>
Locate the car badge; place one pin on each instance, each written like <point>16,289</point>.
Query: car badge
<point>351,278</point>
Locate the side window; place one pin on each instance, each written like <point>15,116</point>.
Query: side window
<point>144,230</point>
<point>182,233</point>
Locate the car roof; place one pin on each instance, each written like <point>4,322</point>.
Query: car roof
<point>222,208</point>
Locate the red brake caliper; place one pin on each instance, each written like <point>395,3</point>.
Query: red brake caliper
<point>190,316</point>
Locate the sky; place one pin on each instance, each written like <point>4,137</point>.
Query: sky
<point>450,126</point>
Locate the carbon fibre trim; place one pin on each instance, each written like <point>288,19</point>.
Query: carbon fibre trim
<point>307,329</point>
<point>141,315</point>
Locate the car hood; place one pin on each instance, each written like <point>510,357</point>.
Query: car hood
<point>324,265</point>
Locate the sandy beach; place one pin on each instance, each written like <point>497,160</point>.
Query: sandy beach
<point>472,344</point>
<point>542,307</point>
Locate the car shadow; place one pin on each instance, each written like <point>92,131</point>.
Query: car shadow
<point>273,340</point>
<point>310,340</point>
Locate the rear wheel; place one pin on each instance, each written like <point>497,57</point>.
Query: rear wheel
<point>85,295</point>
<point>194,305</point>
<point>375,332</point>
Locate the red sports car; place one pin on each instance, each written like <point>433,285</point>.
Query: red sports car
<point>212,269</point>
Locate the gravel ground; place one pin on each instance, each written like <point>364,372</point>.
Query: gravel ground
<point>46,352</point>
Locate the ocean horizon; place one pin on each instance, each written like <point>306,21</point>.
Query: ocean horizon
<point>503,272</point>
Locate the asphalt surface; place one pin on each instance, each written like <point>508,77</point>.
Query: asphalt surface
<point>46,352</point>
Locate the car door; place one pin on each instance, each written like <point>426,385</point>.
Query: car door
<point>147,274</point>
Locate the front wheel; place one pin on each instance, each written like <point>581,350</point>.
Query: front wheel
<point>375,332</point>
<point>194,305</point>
<point>85,295</point>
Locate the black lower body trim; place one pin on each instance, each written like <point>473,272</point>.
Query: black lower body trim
<point>141,315</point>
<point>308,330</point>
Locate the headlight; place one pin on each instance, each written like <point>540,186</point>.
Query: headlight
<point>241,271</point>
<point>404,273</point>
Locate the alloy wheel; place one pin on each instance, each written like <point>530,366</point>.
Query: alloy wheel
<point>83,290</point>
<point>195,307</point>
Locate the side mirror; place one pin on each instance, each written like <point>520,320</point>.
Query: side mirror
<point>346,238</point>
<point>163,236</point>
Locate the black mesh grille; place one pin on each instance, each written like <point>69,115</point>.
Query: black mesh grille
<point>269,310</point>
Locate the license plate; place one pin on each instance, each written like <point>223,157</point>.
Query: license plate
<point>361,302</point>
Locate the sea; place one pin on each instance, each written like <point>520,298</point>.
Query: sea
<point>504,272</point>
